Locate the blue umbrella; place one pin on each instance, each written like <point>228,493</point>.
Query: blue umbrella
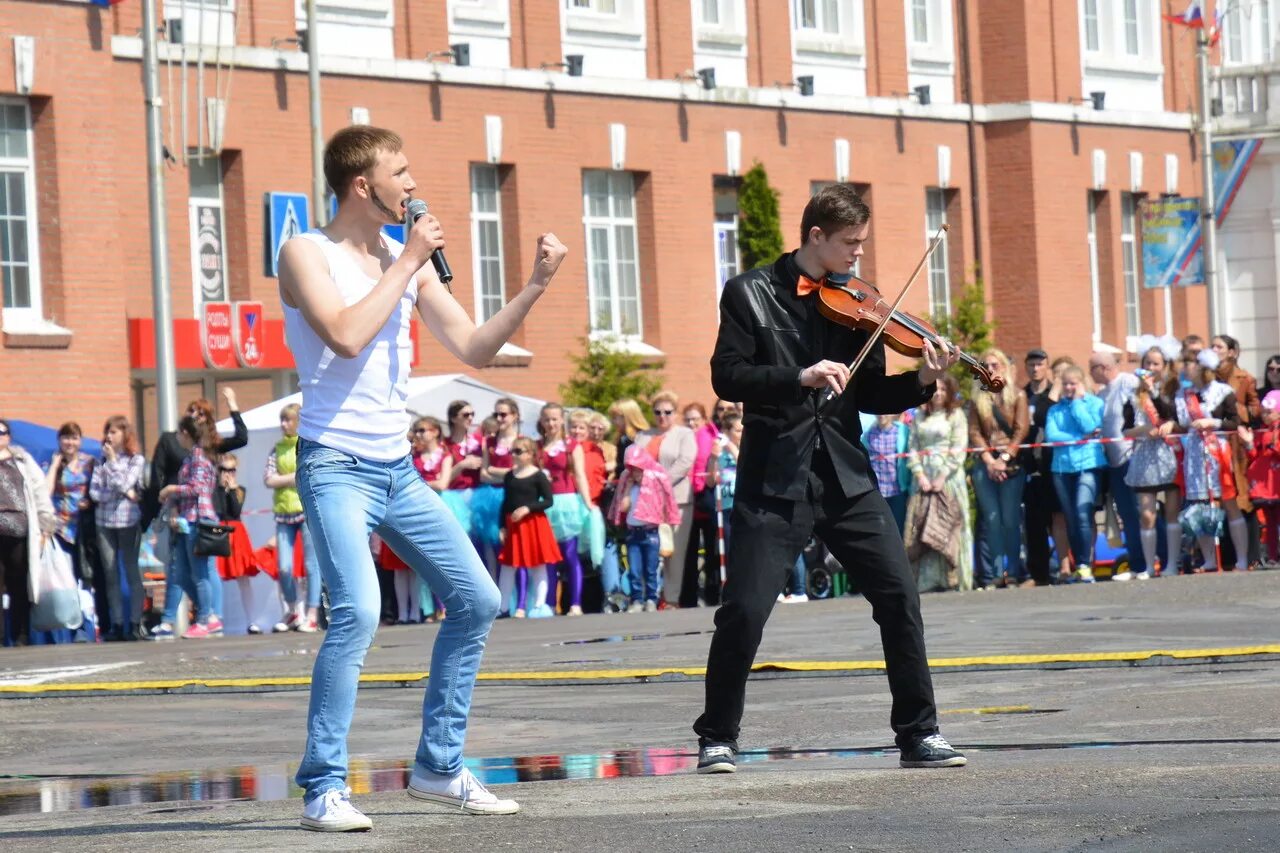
<point>42,441</point>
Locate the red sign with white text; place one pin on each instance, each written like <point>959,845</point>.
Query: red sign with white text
<point>250,334</point>
<point>216,335</point>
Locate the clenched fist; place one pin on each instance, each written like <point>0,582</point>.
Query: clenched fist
<point>550,253</point>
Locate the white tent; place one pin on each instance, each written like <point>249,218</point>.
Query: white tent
<point>428,395</point>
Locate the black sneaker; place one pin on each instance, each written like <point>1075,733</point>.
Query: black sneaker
<point>717,757</point>
<point>932,751</point>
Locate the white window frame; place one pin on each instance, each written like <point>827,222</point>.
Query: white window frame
<point>480,17</point>
<point>1090,25</point>
<point>848,40</point>
<point>333,15</point>
<point>1248,36</point>
<point>194,203</point>
<point>592,7</point>
<point>1111,51</point>
<point>1131,27</point>
<point>1129,263</point>
<point>917,10</point>
<point>611,224</point>
<point>26,167</point>
<point>212,22</point>
<point>483,290</point>
<point>729,30</point>
<point>938,45</point>
<point>940,261</point>
<point>1095,282</point>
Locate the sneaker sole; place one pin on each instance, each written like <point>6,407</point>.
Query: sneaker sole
<point>332,826</point>
<point>454,802</point>
<point>718,767</point>
<point>956,761</point>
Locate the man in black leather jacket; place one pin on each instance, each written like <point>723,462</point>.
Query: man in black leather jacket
<point>803,470</point>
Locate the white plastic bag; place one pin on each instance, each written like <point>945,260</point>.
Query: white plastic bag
<point>55,595</point>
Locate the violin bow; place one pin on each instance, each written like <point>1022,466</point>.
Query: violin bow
<point>875,336</point>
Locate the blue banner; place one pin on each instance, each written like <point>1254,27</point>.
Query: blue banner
<point>1171,243</point>
<point>1171,254</point>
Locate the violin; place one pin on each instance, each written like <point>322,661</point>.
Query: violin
<point>860,306</point>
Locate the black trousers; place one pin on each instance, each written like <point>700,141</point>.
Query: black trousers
<point>1039,502</point>
<point>702,535</point>
<point>17,575</point>
<point>768,535</point>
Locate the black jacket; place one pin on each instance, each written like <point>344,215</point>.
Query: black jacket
<point>167,460</point>
<point>768,335</point>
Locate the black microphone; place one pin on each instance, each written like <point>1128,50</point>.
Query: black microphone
<point>417,208</point>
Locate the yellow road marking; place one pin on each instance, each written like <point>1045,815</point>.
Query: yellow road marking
<point>648,672</point>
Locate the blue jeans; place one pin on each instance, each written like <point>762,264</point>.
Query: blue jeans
<point>610,579</point>
<point>286,535</point>
<point>1077,493</point>
<point>642,560</point>
<point>1127,508</point>
<point>1001,507</point>
<point>898,506</point>
<point>192,575</point>
<point>796,582</point>
<point>347,498</point>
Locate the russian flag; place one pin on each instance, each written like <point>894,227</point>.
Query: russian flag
<point>1193,17</point>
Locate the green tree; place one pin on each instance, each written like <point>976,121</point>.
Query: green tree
<point>605,373</point>
<point>968,328</point>
<point>759,226</point>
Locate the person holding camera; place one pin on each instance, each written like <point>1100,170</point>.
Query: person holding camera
<point>998,423</point>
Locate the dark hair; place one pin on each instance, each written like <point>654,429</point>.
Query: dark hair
<point>120,422</point>
<point>1192,339</point>
<point>70,428</point>
<point>833,208</point>
<point>1232,343</point>
<point>455,407</point>
<point>205,407</point>
<point>353,151</point>
<point>201,435</point>
<point>1264,385</point>
<point>729,421</point>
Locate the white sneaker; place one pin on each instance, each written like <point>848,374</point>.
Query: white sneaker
<point>635,607</point>
<point>463,790</point>
<point>798,597</point>
<point>332,812</point>
<point>279,628</point>
<point>1122,576</point>
<point>1142,576</point>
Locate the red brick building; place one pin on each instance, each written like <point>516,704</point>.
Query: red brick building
<point>977,114</point>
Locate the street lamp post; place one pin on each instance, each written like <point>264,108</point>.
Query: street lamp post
<point>317,130</point>
<point>161,309</point>
<point>1208,222</point>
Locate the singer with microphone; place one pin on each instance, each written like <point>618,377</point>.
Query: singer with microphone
<point>349,293</point>
<point>802,470</point>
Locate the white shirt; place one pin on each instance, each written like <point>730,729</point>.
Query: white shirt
<point>355,404</point>
<point>1114,395</point>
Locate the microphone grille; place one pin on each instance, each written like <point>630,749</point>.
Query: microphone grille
<point>417,208</point>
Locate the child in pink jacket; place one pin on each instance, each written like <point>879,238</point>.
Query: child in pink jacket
<point>643,500</point>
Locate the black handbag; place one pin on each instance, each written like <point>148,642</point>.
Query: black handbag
<point>212,539</point>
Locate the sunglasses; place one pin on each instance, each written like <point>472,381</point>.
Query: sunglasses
<point>520,452</point>
<point>421,431</point>
<point>227,470</point>
<point>3,431</point>
<point>1273,367</point>
<point>466,414</point>
<point>664,413</point>
<point>502,415</point>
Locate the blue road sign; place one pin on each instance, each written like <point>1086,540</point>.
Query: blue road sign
<point>288,215</point>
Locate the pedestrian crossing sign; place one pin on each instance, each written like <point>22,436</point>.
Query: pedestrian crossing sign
<point>288,215</point>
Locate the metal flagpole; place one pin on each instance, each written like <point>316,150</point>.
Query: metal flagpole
<point>161,309</point>
<point>1208,224</point>
<point>317,131</point>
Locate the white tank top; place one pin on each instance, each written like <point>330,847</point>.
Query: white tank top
<point>355,404</point>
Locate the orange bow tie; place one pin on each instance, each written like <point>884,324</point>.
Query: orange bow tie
<point>806,285</point>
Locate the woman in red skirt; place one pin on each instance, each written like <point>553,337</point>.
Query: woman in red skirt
<point>242,565</point>
<point>528,542</point>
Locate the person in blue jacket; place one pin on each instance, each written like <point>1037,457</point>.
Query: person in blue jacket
<point>1077,468</point>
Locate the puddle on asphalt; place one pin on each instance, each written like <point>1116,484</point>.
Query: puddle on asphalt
<point>216,788</point>
<point>275,782</point>
<point>627,638</point>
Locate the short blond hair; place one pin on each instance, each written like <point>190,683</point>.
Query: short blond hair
<point>665,396</point>
<point>290,411</point>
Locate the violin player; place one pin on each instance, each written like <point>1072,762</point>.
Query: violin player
<point>803,471</point>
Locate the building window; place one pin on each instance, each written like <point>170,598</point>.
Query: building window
<point>728,261</point>
<point>1095,282</point>
<point>1235,40</point>
<point>19,254</point>
<point>613,268</point>
<point>709,10</point>
<point>360,28</point>
<point>1264,23</point>
<point>485,26</point>
<point>1129,257</point>
<point>1091,42</point>
<point>486,240</point>
<point>920,21</point>
<point>208,246</point>
<point>819,15</point>
<point>939,266</point>
<point>603,7</point>
<point>1131,46</point>
<point>204,21</point>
